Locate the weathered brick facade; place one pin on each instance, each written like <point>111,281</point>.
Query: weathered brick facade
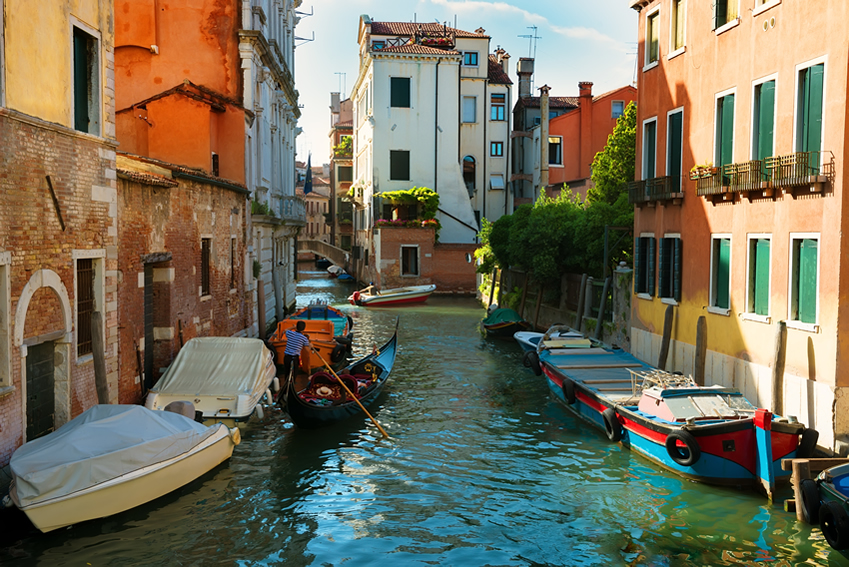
<point>38,264</point>
<point>162,223</point>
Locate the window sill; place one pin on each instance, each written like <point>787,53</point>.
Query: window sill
<point>649,66</point>
<point>800,326</point>
<point>668,301</point>
<point>725,27</point>
<point>205,297</point>
<point>6,391</point>
<point>559,165</point>
<point>756,318</point>
<point>233,290</point>
<point>676,53</point>
<point>764,7</point>
<point>645,296</point>
<point>725,311</point>
<point>85,359</point>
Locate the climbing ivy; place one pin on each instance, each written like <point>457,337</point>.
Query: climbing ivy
<point>427,199</point>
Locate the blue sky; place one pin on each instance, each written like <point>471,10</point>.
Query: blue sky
<point>579,41</point>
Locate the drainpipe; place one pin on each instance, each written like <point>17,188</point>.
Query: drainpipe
<point>436,132</point>
<point>543,138</point>
<point>485,157</point>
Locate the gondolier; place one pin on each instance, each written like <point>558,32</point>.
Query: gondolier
<point>295,341</point>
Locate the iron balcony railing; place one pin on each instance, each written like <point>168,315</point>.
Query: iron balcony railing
<point>662,188</point>
<point>799,169</point>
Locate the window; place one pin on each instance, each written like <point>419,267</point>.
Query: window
<point>809,107</point>
<point>720,273</point>
<point>215,164</point>
<point>644,265</point>
<point>496,149</point>
<point>205,245</point>
<point>496,181</point>
<point>804,268</point>
<point>617,108</point>
<point>86,94</point>
<point>233,262</point>
<point>724,11</point>
<point>674,147</point>
<point>345,173</point>
<point>652,37</point>
<point>85,304</point>
<point>669,268</point>
<point>409,260</point>
<point>555,150</point>
<point>497,106</point>
<point>469,174</point>
<point>763,125</point>
<point>5,307</point>
<point>650,148</point>
<point>345,242</point>
<point>724,130</point>
<point>470,107</point>
<point>470,58</point>
<point>399,165</point>
<point>400,92</point>
<point>757,293</point>
<point>677,36</point>
<point>378,44</point>
<point>363,106</point>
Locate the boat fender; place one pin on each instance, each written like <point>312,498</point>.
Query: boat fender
<point>834,524</point>
<point>356,296</point>
<point>269,398</point>
<point>611,424</point>
<point>275,384</point>
<point>531,360</point>
<point>569,391</point>
<point>338,353</point>
<point>260,414</point>
<point>686,456</point>
<point>807,443</point>
<point>810,501</point>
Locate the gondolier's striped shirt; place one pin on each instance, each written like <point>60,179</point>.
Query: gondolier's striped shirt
<point>295,341</point>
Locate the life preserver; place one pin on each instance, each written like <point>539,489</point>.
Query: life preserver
<point>569,391</point>
<point>338,353</point>
<point>834,524</point>
<point>531,360</point>
<point>810,501</point>
<point>691,453</point>
<point>611,425</point>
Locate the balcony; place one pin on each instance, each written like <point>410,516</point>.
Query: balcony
<point>294,211</point>
<point>656,190</point>
<point>796,173</point>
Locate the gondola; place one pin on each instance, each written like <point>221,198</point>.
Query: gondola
<point>323,400</point>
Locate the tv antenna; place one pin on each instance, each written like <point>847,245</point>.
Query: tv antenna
<point>343,82</point>
<point>532,41</point>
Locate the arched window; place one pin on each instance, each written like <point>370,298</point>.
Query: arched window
<point>469,174</point>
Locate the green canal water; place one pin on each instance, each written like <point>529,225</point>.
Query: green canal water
<point>483,467</point>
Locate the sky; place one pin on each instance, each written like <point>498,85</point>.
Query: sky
<point>577,41</point>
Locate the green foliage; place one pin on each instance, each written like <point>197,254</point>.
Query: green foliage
<point>258,208</point>
<point>512,299</point>
<point>257,269</point>
<point>345,147</point>
<point>613,167</point>
<point>427,199</point>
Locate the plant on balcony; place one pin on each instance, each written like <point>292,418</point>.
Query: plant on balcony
<point>344,147</point>
<point>427,199</point>
<point>258,208</point>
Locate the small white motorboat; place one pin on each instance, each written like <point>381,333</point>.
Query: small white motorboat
<point>371,297</point>
<point>224,377</point>
<point>529,340</point>
<point>112,458</point>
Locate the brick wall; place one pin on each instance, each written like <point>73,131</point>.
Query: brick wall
<point>445,265</point>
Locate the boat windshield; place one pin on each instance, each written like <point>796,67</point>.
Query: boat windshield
<point>714,405</point>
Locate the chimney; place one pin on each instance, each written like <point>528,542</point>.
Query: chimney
<point>480,31</point>
<point>525,70</point>
<point>585,89</point>
<point>543,137</point>
<point>504,59</point>
<point>585,97</point>
<point>334,108</point>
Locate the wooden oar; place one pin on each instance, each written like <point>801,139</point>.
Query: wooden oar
<point>362,407</point>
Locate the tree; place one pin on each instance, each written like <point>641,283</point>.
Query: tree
<point>613,167</point>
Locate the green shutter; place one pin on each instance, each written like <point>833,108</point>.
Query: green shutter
<point>650,267</point>
<point>765,120</point>
<point>761,277</point>
<point>807,293</point>
<point>720,13</point>
<point>673,153</point>
<point>676,269</point>
<point>722,273</point>
<point>400,92</point>
<point>809,123</point>
<point>654,38</point>
<point>725,130</point>
<point>638,268</point>
<point>663,259</point>
<point>81,79</point>
<point>650,149</point>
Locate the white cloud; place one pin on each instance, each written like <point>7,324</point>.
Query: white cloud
<point>476,6</point>
<point>589,34</point>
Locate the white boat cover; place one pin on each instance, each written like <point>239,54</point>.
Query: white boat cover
<point>216,366</point>
<point>102,443</point>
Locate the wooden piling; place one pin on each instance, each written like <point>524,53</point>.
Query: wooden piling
<point>260,308</point>
<point>667,335</point>
<point>701,351</point>
<point>97,347</point>
<point>539,304</point>
<point>580,311</point>
<point>524,297</point>
<point>599,329</point>
<point>492,288</point>
<point>801,471</point>
<point>778,369</point>
<point>588,301</point>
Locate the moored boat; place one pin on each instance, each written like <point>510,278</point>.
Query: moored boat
<point>343,324</point>
<point>826,501</point>
<point>320,333</point>
<point>112,458</point>
<point>224,377</point>
<point>503,322</point>
<point>323,400</point>
<point>529,340</point>
<point>710,434</point>
<point>371,297</point>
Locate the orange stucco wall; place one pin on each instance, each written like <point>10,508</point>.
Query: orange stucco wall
<point>733,60</point>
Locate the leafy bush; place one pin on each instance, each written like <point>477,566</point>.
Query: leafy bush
<point>426,199</point>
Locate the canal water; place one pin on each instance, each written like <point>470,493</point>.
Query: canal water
<point>483,467</point>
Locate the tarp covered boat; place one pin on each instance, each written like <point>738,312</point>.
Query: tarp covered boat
<point>112,458</point>
<point>224,377</point>
<point>503,322</point>
<point>323,400</point>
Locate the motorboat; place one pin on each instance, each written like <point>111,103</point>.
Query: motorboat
<point>372,297</point>
<point>224,377</point>
<point>112,458</point>
<point>529,340</point>
<point>826,501</point>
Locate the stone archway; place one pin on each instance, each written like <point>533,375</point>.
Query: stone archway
<point>62,344</point>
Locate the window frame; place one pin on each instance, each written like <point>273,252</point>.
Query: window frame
<point>644,265</point>
<point>496,149</point>
<point>476,55</point>
<point>672,295</point>
<point>492,186</point>
<point>648,62</point>
<point>497,108</point>
<point>409,94</point>
<point>792,291</point>
<point>233,256</point>
<point>339,169</point>
<point>729,23</point>
<point>717,97</point>
<point>98,282</point>
<point>5,311</point>
<point>753,141</point>
<point>751,277</point>
<point>559,145</point>
<point>714,283</point>
<point>764,5</point>
<point>205,272</point>
<point>679,110</point>
<point>418,271</point>
<point>464,117</point>
<point>95,78</point>
<point>798,70</point>
<point>612,112</point>
<point>644,157</point>
<point>393,154</point>
<point>375,43</point>
<point>673,12</point>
